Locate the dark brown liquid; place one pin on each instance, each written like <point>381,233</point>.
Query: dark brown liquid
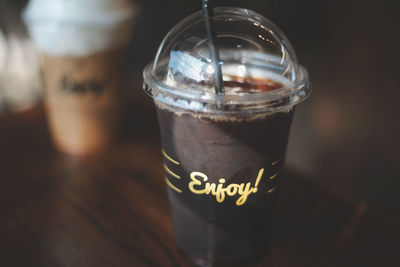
<point>252,83</point>
<point>235,150</point>
<point>245,83</point>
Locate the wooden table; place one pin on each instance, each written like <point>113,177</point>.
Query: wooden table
<point>112,210</point>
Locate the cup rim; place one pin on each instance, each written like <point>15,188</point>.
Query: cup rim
<point>297,91</point>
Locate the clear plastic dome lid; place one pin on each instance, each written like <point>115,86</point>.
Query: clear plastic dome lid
<point>259,66</point>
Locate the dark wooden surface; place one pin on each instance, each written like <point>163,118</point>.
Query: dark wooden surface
<point>112,210</point>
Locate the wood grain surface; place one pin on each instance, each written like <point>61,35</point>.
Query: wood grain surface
<point>112,209</point>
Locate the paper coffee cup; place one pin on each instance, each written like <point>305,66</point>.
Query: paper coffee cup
<point>82,46</point>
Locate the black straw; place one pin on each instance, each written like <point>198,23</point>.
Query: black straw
<point>208,13</point>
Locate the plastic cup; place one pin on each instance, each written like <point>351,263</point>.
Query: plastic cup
<point>223,153</point>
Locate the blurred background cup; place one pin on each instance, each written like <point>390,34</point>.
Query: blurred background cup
<point>82,46</point>
<point>223,152</point>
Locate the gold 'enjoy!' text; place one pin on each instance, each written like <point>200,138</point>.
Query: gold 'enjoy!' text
<point>196,186</point>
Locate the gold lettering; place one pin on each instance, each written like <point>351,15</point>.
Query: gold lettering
<point>195,182</point>
<point>220,194</point>
<point>260,174</point>
<point>211,189</point>
<point>219,191</point>
<point>232,189</point>
<point>244,192</point>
